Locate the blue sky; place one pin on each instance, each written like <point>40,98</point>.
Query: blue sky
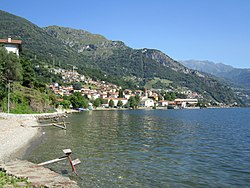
<point>215,30</point>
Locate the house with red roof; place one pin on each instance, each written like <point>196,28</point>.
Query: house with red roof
<point>14,46</point>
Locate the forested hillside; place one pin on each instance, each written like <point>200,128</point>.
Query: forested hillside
<point>113,61</point>
<point>20,90</point>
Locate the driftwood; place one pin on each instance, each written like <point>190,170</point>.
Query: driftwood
<point>62,125</point>
<point>56,120</point>
<point>51,117</point>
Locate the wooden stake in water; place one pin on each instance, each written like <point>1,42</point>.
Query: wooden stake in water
<point>67,153</point>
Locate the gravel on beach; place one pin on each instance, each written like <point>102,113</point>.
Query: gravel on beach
<point>15,134</point>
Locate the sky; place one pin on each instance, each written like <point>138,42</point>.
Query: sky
<point>214,30</point>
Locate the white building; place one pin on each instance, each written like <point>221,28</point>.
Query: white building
<point>163,103</point>
<point>183,103</point>
<point>147,103</point>
<point>13,46</point>
<point>124,100</point>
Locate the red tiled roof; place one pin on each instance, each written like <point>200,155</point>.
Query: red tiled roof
<point>11,42</point>
<point>110,98</point>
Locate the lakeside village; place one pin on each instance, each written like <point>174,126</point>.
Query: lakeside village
<point>112,96</point>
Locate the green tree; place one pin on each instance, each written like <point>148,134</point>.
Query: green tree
<point>97,102</point>
<point>119,104</point>
<point>170,96</point>
<point>28,74</point>
<point>111,104</point>
<point>65,104</point>
<point>77,86</point>
<point>137,100</point>
<point>2,56</point>
<point>10,66</point>
<point>132,102</point>
<point>127,105</point>
<point>78,101</point>
<point>120,95</point>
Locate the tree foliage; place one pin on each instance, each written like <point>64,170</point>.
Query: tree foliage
<point>28,74</point>
<point>10,66</point>
<point>111,104</point>
<point>26,94</point>
<point>134,101</point>
<point>120,95</point>
<point>97,102</point>
<point>78,101</point>
<point>65,103</point>
<point>119,104</point>
<point>77,86</point>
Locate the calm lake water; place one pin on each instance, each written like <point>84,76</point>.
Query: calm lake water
<point>153,148</point>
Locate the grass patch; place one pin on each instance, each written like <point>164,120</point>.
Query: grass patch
<point>11,181</point>
<point>163,82</point>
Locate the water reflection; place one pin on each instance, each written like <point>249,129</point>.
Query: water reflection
<point>153,148</point>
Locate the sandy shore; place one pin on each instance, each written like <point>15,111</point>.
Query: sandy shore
<point>14,138</point>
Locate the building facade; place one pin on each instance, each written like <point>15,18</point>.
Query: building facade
<point>13,46</point>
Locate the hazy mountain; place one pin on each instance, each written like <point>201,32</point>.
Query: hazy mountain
<point>234,75</point>
<point>100,58</point>
<point>207,66</point>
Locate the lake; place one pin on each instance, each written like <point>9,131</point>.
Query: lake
<point>153,148</point>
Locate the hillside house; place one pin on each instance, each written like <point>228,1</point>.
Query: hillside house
<point>13,46</point>
<point>113,94</point>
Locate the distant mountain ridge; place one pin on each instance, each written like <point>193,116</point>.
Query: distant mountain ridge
<point>234,75</point>
<point>87,43</point>
<point>207,66</point>
<point>113,61</point>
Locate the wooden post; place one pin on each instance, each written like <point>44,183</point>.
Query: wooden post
<point>67,153</point>
<point>53,161</point>
<point>72,165</point>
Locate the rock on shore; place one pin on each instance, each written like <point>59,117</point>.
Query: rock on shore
<point>38,175</point>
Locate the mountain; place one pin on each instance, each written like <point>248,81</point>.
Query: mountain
<point>238,79</point>
<point>139,66</point>
<point>113,61</point>
<point>235,75</point>
<point>238,76</point>
<point>207,66</point>
<point>35,40</point>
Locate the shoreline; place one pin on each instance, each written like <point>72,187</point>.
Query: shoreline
<point>17,134</point>
<point>16,137</point>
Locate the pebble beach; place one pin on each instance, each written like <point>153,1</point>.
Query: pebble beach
<point>16,134</point>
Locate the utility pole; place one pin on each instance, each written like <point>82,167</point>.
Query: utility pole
<point>9,97</point>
